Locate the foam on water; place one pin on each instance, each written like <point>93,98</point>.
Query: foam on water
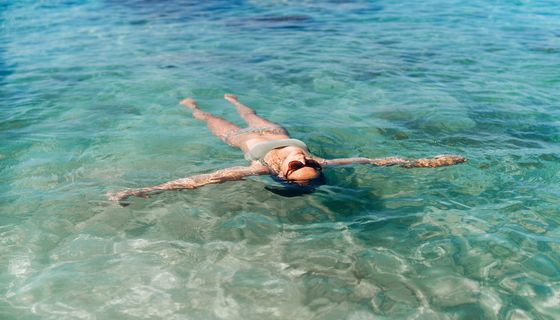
<point>89,94</point>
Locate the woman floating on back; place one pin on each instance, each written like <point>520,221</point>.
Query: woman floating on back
<point>271,151</point>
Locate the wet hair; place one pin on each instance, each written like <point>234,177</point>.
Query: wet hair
<point>288,188</point>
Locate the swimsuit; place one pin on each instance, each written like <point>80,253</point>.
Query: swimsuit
<point>259,150</point>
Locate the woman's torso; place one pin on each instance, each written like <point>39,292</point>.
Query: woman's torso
<point>247,138</point>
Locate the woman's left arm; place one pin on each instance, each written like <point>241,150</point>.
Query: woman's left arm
<point>437,161</point>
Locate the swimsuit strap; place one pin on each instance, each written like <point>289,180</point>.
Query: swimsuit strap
<point>259,150</point>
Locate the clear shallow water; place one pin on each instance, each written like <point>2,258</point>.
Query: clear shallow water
<point>89,94</point>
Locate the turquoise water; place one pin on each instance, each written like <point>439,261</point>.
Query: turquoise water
<point>89,93</point>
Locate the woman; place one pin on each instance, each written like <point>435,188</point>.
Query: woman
<point>271,151</point>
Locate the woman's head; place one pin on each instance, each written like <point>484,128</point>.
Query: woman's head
<point>299,167</point>
<point>298,174</point>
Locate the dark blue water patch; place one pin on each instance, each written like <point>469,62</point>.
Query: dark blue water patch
<point>363,74</point>
<point>168,66</point>
<point>139,22</point>
<point>6,69</point>
<point>282,19</point>
<point>258,58</point>
<point>418,57</point>
<point>546,50</point>
<point>370,9</point>
<point>142,12</point>
<point>532,127</point>
<point>271,22</point>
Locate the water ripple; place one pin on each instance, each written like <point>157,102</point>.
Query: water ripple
<point>89,94</point>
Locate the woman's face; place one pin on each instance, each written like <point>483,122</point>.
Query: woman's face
<point>299,167</point>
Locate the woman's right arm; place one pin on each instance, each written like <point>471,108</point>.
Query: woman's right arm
<point>192,182</point>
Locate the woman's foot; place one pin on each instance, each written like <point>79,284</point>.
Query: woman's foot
<point>230,97</point>
<point>241,108</point>
<point>189,103</point>
<point>196,112</point>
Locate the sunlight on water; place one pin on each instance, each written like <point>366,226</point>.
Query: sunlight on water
<point>89,93</point>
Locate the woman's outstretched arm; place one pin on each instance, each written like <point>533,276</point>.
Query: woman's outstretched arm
<point>193,182</point>
<point>437,161</point>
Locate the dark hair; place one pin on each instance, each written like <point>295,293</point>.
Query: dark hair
<point>287,188</point>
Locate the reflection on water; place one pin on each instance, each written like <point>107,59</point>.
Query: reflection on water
<point>89,94</point>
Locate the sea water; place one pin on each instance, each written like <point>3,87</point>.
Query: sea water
<point>89,95</point>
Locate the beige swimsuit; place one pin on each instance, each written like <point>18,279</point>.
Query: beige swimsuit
<point>259,150</point>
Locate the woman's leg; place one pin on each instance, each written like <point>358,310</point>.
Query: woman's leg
<point>219,127</point>
<point>249,115</point>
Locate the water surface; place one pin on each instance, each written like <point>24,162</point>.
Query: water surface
<point>89,95</point>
